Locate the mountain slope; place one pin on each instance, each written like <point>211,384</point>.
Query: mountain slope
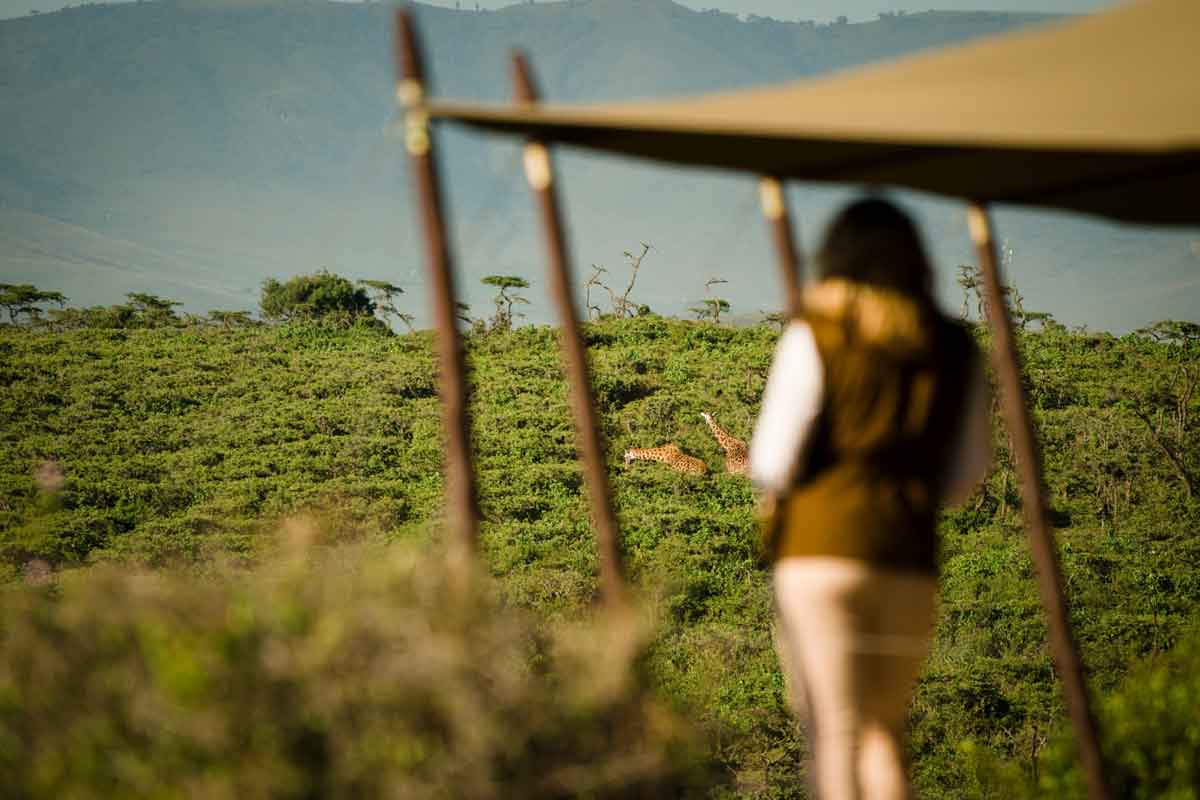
<point>242,140</point>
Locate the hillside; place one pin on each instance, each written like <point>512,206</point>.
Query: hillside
<point>184,446</point>
<point>201,147</point>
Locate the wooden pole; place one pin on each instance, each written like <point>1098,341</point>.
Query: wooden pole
<point>774,206</point>
<point>1029,466</point>
<point>462,505</point>
<point>540,172</point>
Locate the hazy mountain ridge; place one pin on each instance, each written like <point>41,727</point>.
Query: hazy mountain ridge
<point>255,134</point>
<point>222,79</point>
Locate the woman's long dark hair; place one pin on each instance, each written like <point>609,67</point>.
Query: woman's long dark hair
<point>873,242</point>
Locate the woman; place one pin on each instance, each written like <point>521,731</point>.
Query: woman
<point>875,413</point>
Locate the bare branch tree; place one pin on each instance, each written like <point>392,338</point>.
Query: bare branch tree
<point>622,304</point>
<point>627,307</point>
<point>587,288</point>
<point>1171,435</point>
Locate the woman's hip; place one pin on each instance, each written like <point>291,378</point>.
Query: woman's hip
<point>860,605</point>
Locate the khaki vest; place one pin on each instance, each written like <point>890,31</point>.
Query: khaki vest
<point>896,374</point>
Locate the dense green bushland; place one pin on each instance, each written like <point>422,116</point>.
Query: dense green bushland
<point>183,446</point>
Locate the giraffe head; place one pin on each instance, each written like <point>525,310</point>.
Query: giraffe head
<point>706,416</point>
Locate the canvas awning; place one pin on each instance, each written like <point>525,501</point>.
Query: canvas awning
<point>1099,114</point>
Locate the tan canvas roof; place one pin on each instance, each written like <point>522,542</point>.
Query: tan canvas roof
<point>1099,114</point>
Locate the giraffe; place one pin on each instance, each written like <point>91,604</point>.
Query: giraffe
<point>670,455</point>
<point>736,455</point>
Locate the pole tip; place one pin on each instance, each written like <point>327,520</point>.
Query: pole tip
<point>407,50</point>
<point>524,89</point>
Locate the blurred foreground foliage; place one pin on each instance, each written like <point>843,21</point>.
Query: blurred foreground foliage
<point>1151,730</point>
<point>180,448</point>
<point>1151,740</point>
<point>347,672</point>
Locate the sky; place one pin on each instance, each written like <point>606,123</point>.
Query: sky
<point>780,9</point>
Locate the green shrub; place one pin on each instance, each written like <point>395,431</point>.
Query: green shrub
<point>323,296</point>
<point>347,674</point>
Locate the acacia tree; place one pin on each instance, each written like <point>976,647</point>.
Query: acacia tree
<point>383,294</point>
<point>25,298</point>
<point>230,319</point>
<point>1170,331</point>
<point>505,300</point>
<point>711,307</point>
<point>153,310</point>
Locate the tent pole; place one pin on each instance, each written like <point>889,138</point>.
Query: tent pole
<point>774,206</point>
<point>462,504</point>
<point>1029,465</point>
<point>540,172</point>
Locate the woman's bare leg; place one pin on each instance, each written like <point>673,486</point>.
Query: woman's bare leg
<point>899,622</point>
<point>815,618</point>
<point>854,639</point>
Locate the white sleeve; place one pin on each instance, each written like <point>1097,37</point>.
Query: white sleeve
<point>973,451</point>
<point>791,403</point>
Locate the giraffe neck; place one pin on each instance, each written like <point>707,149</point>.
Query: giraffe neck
<point>723,437</point>
<point>736,455</point>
